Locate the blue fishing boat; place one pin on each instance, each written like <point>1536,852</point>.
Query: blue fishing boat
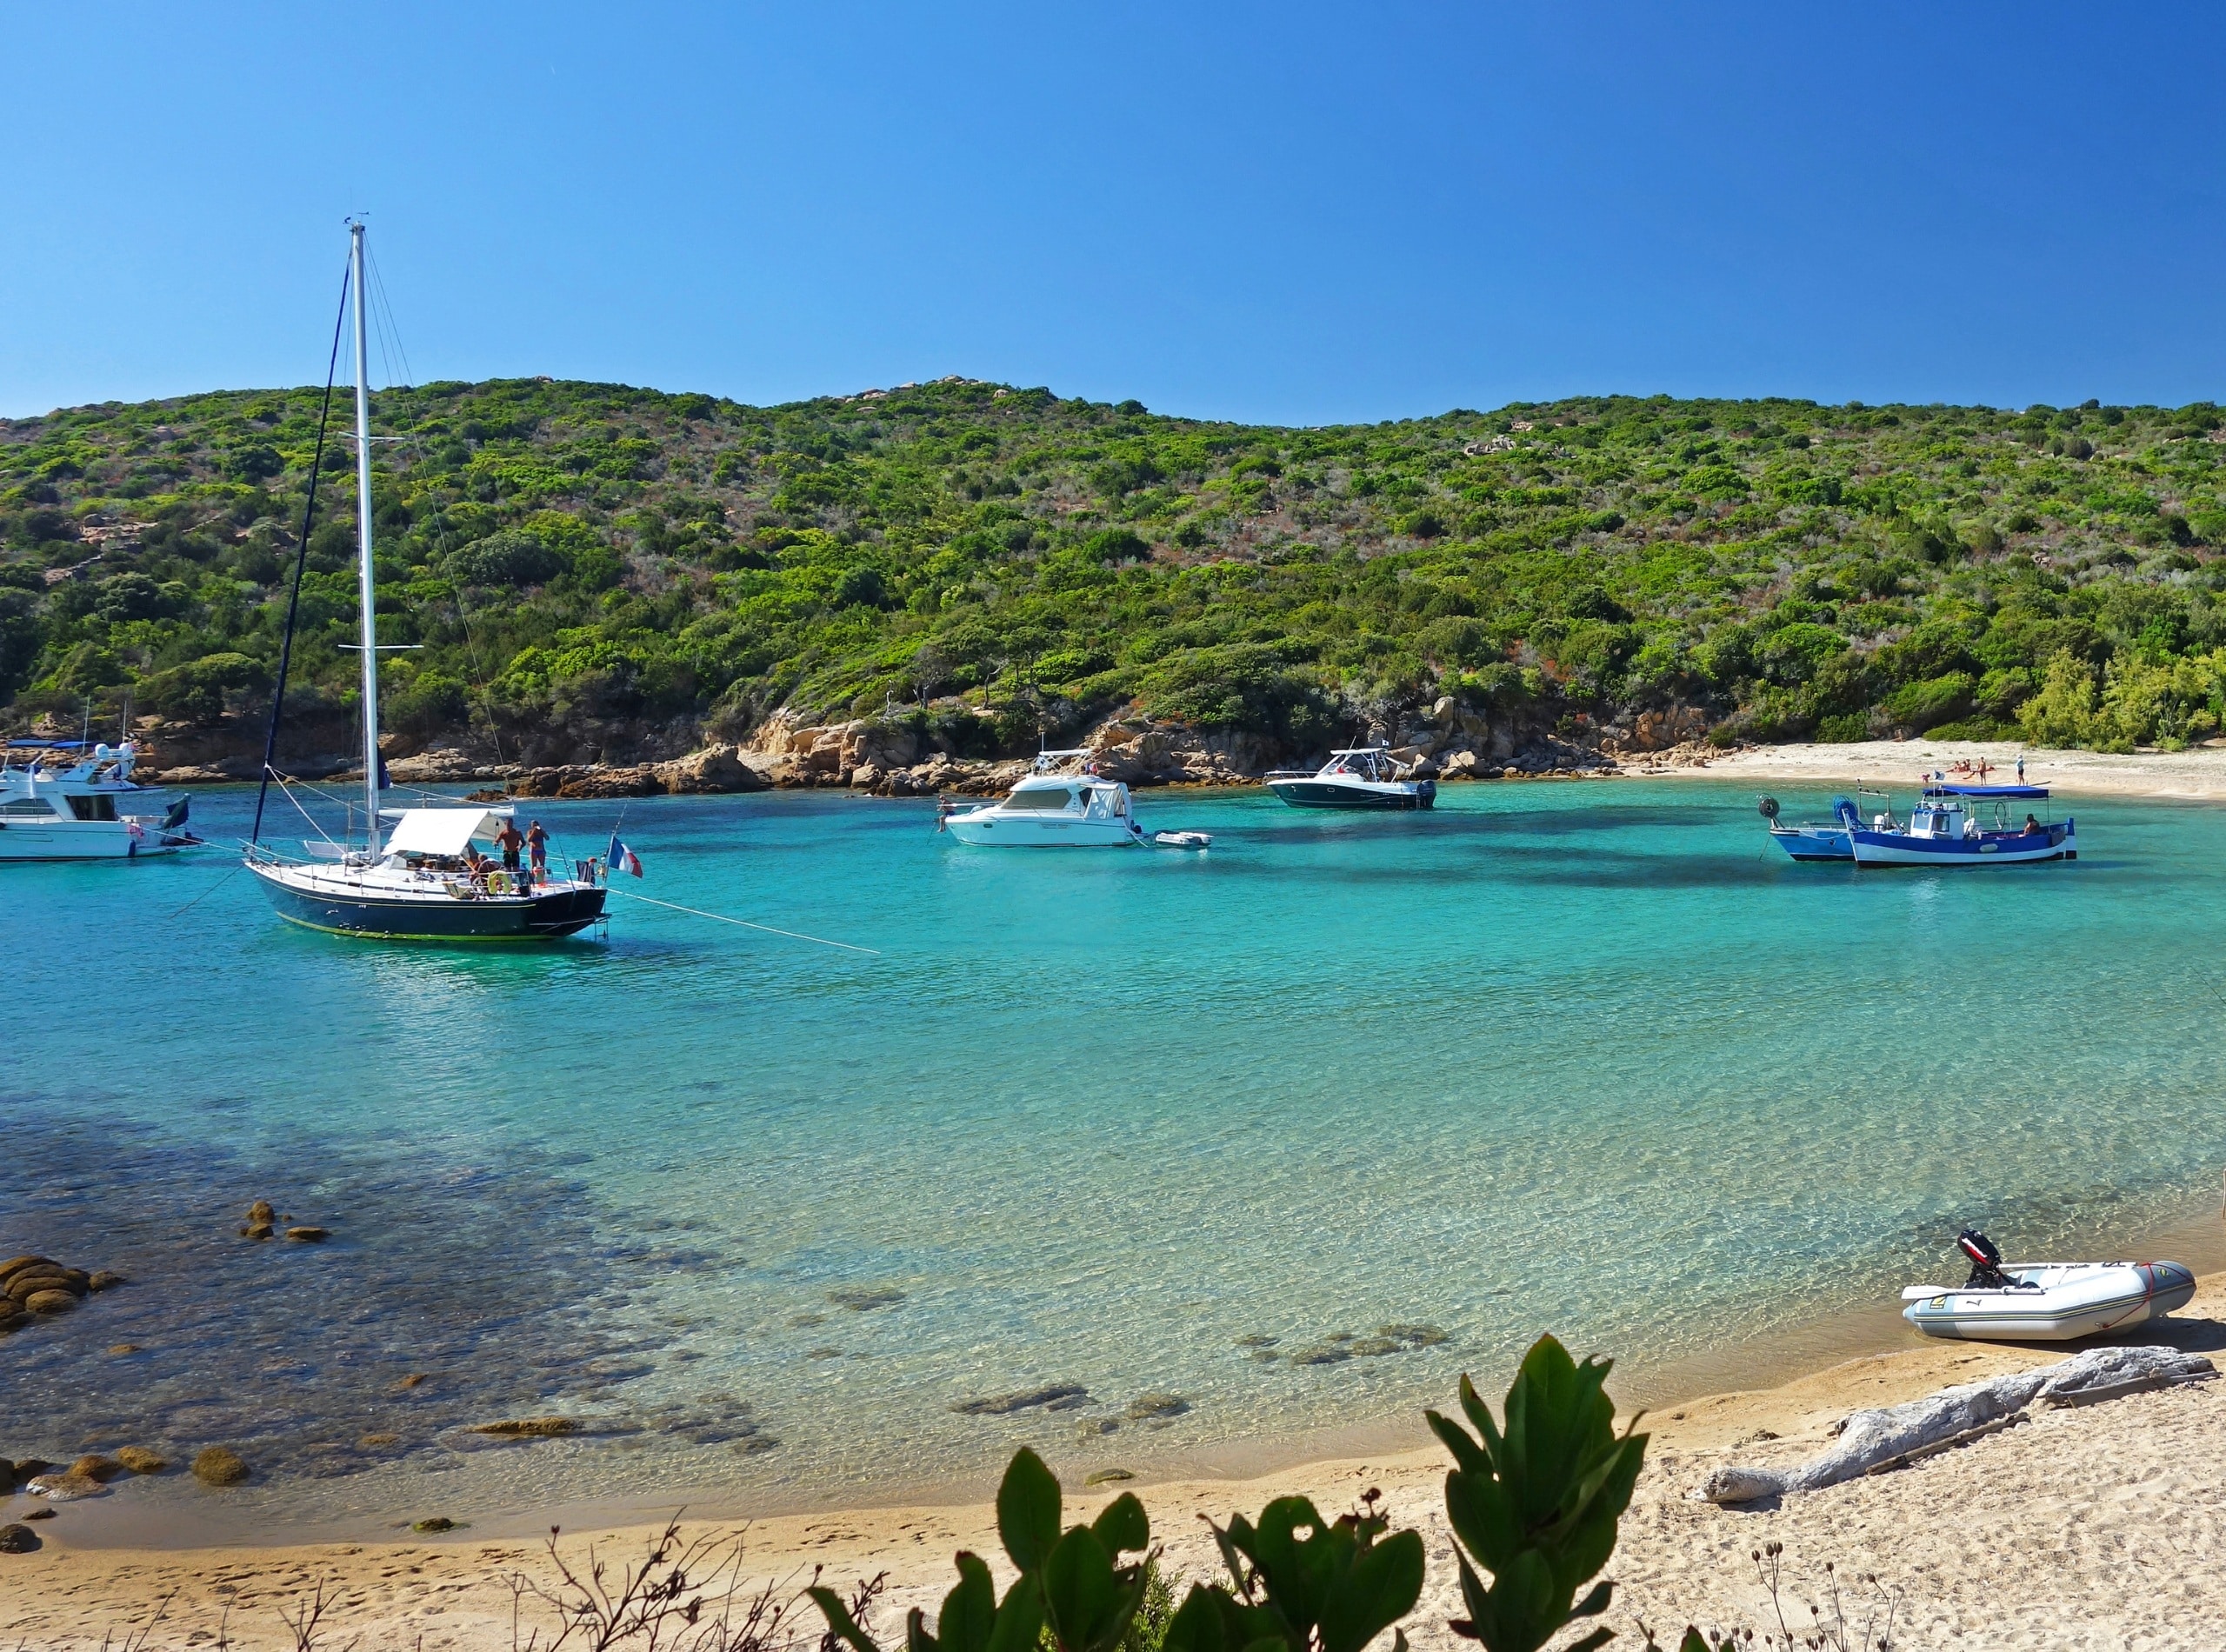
<point>1962,826</point>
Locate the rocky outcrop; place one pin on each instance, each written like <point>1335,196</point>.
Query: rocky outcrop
<point>32,1287</point>
<point>715,768</point>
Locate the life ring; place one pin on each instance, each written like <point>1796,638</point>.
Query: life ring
<point>498,882</point>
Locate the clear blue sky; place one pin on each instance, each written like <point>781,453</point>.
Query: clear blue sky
<point>1287,212</point>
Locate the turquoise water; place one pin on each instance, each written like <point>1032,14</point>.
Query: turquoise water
<point>771,1218</point>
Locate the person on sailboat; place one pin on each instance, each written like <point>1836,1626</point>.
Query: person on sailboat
<point>510,841</point>
<point>536,842</point>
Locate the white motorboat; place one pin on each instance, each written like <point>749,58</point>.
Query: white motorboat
<point>1061,803</point>
<point>84,812</point>
<point>2053,1302</point>
<point>428,881</point>
<point>1358,777</point>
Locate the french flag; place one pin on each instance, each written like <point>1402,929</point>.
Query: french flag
<point>623,859</point>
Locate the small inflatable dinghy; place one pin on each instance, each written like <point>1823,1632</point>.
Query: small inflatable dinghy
<point>2051,1301</point>
<point>1183,840</point>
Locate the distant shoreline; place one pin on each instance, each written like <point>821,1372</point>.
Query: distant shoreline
<point>1896,765</point>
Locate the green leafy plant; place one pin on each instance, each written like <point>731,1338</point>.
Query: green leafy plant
<point>1072,1584</point>
<point>1534,1501</point>
<point>1304,1583</point>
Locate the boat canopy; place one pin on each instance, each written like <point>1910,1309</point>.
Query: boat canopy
<point>441,831</point>
<point>1986,791</point>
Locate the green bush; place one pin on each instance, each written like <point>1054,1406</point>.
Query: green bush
<point>194,692</point>
<point>509,558</point>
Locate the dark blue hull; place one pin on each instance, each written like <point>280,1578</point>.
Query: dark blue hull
<point>541,917</point>
<point>1319,794</point>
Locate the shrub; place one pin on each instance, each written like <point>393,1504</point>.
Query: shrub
<point>508,558</point>
<point>194,692</point>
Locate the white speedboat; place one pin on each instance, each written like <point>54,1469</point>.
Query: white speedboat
<point>2053,1302</point>
<point>1061,804</point>
<point>427,881</point>
<point>1360,777</point>
<point>84,812</point>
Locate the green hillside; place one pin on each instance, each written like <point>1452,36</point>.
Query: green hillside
<point>625,567</point>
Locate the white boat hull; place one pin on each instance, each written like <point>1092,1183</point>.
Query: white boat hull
<point>1900,849</point>
<point>987,828</point>
<point>2072,1300</point>
<point>83,840</point>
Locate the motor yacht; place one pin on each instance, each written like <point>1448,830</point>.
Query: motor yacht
<point>1360,777</point>
<point>84,812</point>
<point>1061,803</point>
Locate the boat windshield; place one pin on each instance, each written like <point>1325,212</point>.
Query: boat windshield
<point>1048,798</point>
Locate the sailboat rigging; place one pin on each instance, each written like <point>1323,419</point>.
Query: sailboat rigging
<point>429,880</point>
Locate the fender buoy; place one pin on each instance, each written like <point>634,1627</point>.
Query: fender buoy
<point>1766,807</point>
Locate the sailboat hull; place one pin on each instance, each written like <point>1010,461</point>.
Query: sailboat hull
<point>321,903</point>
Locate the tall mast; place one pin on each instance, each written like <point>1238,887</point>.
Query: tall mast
<point>370,636</point>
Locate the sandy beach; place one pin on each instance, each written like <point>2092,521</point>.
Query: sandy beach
<point>2097,1527</point>
<point>2198,773</point>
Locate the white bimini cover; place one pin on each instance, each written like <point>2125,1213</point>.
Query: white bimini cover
<point>443,831</point>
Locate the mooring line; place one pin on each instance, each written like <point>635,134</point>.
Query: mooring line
<point>720,917</point>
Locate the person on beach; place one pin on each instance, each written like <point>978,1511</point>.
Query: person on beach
<point>510,841</point>
<point>536,842</point>
<point>2021,768</point>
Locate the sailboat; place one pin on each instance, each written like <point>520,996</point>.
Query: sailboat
<point>429,880</point>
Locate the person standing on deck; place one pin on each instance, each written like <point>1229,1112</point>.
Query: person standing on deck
<point>510,842</point>
<point>536,842</point>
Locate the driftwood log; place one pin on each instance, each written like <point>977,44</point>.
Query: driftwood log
<point>1871,1442</point>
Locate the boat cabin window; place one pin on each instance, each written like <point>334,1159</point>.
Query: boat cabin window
<point>1046,799</point>
<point>26,808</point>
<point>100,808</point>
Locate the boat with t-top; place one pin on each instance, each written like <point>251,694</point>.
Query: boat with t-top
<point>1956,825</point>
<point>1061,803</point>
<point>83,811</point>
<point>1357,777</point>
<point>426,879</point>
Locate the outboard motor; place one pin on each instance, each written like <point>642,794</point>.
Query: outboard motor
<point>1986,1262</point>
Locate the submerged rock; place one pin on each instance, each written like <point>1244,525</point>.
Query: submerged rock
<point>51,1302</point>
<point>1058,1396</point>
<point>1149,1406</point>
<point>106,1279</point>
<point>308,1235</point>
<point>1095,1428</point>
<point>256,1230</point>
<point>1107,1477</point>
<point>65,1488</point>
<point>528,1428</point>
<point>864,1299</point>
<point>220,1466</point>
<point>433,1523</point>
<point>139,1460</point>
<point>98,1468</point>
